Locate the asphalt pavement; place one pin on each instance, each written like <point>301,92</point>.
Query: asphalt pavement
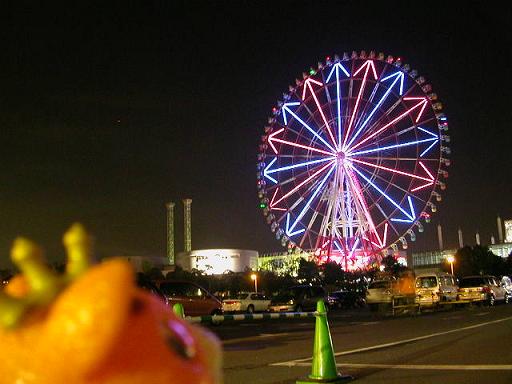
<point>466,345</point>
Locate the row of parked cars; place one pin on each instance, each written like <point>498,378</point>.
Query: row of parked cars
<point>424,289</point>
<point>432,288</point>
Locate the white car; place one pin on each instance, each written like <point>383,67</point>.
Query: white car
<point>246,302</point>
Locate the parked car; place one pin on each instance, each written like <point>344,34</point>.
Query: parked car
<point>196,300</point>
<point>146,283</point>
<point>482,288</point>
<point>379,294</point>
<point>246,302</point>
<point>432,288</point>
<point>506,283</point>
<point>297,299</point>
<point>346,299</point>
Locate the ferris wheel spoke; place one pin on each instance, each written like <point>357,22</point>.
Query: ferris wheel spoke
<point>304,182</point>
<point>308,86</point>
<point>290,229</point>
<point>308,230</point>
<point>397,134</point>
<point>419,105</point>
<point>411,216</point>
<point>398,78</point>
<point>358,193</point>
<point>368,64</point>
<point>272,139</point>
<point>336,69</point>
<point>286,109</point>
<point>430,178</point>
<point>406,144</point>
<point>268,171</point>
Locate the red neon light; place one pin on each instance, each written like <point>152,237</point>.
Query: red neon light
<point>368,64</point>
<point>424,102</point>
<point>304,182</point>
<point>354,183</point>
<point>425,185</point>
<point>422,108</point>
<point>394,170</point>
<point>308,84</point>
<point>271,136</point>
<point>272,202</point>
<point>271,139</point>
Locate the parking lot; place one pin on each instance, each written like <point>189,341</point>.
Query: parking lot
<point>457,345</point>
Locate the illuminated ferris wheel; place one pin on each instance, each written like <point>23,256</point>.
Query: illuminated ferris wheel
<point>351,159</point>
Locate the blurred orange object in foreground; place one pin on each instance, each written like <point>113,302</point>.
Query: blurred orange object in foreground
<point>101,328</point>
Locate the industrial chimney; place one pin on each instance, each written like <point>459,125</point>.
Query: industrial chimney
<point>440,236</point>
<point>500,230</point>
<point>461,241</point>
<point>170,232</point>
<point>187,221</point>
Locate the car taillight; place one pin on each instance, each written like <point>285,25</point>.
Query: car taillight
<point>230,301</point>
<point>486,289</point>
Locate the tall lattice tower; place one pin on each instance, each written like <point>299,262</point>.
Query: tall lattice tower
<point>187,221</point>
<point>170,232</point>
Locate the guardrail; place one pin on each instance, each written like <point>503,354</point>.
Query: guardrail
<point>217,319</point>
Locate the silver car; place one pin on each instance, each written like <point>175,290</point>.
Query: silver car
<point>485,289</point>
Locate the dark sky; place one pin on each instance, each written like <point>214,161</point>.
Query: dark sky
<point>107,111</point>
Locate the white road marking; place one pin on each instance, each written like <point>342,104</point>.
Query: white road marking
<point>481,314</point>
<point>292,363</point>
<point>451,367</point>
<point>254,338</point>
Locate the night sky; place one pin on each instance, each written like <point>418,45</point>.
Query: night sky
<point>107,111</point>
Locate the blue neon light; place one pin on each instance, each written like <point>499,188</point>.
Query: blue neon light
<point>301,214</point>
<point>286,109</point>
<point>410,216</point>
<point>399,75</point>
<point>428,149</point>
<point>412,212</point>
<point>426,131</point>
<point>284,112</point>
<point>288,229</point>
<point>298,165</point>
<point>266,171</point>
<point>337,67</point>
<point>392,146</point>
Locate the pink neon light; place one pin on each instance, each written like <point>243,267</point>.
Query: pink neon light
<point>385,234</point>
<point>271,139</point>
<point>368,64</point>
<point>393,170</point>
<point>357,190</point>
<point>390,123</point>
<point>271,136</point>
<point>421,187</point>
<point>327,242</point>
<point>304,182</point>
<point>308,83</point>
<point>422,108</point>
<point>272,202</point>
<point>426,170</point>
<point>431,181</point>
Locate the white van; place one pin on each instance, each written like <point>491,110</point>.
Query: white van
<point>431,288</point>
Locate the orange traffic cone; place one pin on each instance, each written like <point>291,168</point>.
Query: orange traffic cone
<point>323,367</point>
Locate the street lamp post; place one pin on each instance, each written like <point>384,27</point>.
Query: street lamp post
<point>451,260</point>
<point>255,278</point>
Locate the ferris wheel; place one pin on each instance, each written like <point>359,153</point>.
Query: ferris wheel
<point>351,159</point>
